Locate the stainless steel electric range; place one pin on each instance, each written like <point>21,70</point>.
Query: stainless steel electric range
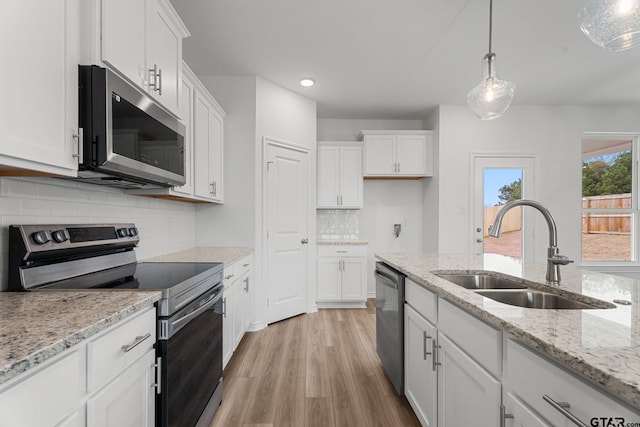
<point>190,311</point>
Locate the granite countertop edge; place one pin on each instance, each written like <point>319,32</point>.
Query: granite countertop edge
<point>625,390</point>
<point>42,354</point>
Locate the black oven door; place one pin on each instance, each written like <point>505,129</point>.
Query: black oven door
<point>191,361</point>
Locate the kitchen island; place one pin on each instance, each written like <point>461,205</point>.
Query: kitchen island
<point>600,345</point>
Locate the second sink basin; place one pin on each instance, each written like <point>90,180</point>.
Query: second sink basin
<point>535,299</point>
<point>481,281</point>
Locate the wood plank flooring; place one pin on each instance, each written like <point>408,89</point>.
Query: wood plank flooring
<point>317,369</point>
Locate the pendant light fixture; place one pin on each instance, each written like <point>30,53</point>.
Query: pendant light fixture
<point>611,24</point>
<point>491,98</point>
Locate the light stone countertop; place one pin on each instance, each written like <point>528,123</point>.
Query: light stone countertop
<point>603,345</point>
<point>35,326</point>
<point>342,242</point>
<point>227,255</point>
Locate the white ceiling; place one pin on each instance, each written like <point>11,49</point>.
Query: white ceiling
<point>398,59</point>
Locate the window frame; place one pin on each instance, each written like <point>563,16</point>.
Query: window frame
<point>633,211</point>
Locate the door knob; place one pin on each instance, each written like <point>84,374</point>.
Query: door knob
<point>304,241</point>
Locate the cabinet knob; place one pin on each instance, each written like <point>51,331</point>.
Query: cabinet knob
<point>304,241</point>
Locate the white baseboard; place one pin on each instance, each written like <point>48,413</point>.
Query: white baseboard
<point>313,309</point>
<point>339,304</point>
<point>257,326</point>
<point>371,294</point>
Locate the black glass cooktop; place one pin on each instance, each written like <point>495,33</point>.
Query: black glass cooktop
<point>144,276</point>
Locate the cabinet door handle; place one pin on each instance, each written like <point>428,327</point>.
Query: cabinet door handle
<point>504,416</point>
<point>337,199</point>
<point>398,167</point>
<point>224,307</point>
<point>229,276</point>
<point>341,200</point>
<point>154,73</point>
<point>246,285</point>
<point>137,341</point>
<point>434,350</point>
<point>160,82</point>
<point>563,407</point>
<point>425,337</point>
<point>158,369</point>
<point>79,137</point>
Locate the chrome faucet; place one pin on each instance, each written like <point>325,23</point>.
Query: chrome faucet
<point>554,259</point>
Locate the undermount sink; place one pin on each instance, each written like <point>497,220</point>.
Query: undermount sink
<point>512,292</point>
<point>535,299</point>
<point>481,281</point>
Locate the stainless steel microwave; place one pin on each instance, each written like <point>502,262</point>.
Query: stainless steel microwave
<point>128,141</point>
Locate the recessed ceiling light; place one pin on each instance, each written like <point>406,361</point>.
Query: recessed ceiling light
<point>307,82</point>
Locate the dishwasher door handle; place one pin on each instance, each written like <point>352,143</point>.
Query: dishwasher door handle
<point>385,280</point>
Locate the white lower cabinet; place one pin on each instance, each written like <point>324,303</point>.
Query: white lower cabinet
<point>482,381</point>
<point>236,305</point>
<point>519,415</point>
<point>108,381</point>
<point>554,394</point>
<point>467,393</point>
<point>342,276</point>
<point>128,400</point>
<point>420,377</point>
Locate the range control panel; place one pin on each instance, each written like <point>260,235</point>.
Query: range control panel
<point>49,237</point>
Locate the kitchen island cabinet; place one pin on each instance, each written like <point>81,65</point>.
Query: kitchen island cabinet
<point>64,350</point>
<point>575,356</point>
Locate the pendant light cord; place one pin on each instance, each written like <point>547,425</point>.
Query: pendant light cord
<point>490,23</point>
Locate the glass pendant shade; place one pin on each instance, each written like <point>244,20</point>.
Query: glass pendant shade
<point>491,98</point>
<point>611,24</point>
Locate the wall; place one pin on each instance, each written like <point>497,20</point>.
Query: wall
<point>386,202</point>
<point>164,226</point>
<point>285,116</point>
<point>233,224</point>
<point>553,133</point>
<point>431,195</point>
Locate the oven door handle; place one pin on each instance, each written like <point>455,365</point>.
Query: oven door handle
<point>178,324</point>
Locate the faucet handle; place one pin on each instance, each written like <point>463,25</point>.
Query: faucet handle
<point>560,260</point>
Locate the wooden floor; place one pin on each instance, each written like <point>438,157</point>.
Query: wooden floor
<point>317,369</point>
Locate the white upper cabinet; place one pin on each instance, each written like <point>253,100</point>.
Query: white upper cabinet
<point>339,175</point>
<point>203,119</point>
<point>398,154</point>
<point>142,40</point>
<point>40,44</point>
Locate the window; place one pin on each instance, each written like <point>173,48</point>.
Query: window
<point>609,198</point>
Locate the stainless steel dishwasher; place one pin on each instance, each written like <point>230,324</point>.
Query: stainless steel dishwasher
<point>390,323</point>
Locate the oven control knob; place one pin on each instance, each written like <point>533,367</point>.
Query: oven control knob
<point>60,236</point>
<point>133,231</point>
<point>123,232</point>
<point>41,237</point>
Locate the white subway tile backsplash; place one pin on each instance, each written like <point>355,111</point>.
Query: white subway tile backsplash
<point>35,207</point>
<point>19,188</point>
<point>58,201</point>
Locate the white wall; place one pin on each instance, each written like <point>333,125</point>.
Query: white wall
<point>286,116</point>
<point>554,133</point>
<point>233,224</point>
<point>386,202</point>
<point>164,226</point>
<point>430,228</point>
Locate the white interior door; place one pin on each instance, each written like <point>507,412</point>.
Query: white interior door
<point>491,172</point>
<point>287,202</point>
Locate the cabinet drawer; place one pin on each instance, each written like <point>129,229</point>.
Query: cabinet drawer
<point>422,300</point>
<point>530,377</point>
<point>243,266</point>
<point>230,274</point>
<point>342,250</point>
<point>113,351</point>
<point>481,341</point>
<point>46,396</point>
